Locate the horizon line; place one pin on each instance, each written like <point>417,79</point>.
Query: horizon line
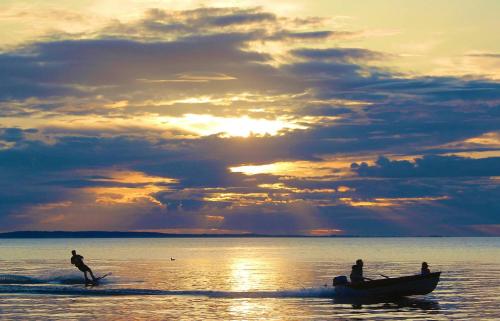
<point>144,234</point>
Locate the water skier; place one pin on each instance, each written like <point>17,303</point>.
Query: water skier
<point>77,260</point>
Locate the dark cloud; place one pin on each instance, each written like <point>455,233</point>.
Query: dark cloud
<point>15,134</point>
<point>308,35</point>
<point>431,166</point>
<point>340,54</point>
<point>75,67</point>
<point>322,110</point>
<point>243,18</point>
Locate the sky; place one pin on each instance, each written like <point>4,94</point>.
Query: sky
<point>376,118</point>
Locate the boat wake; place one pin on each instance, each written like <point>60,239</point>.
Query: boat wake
<point>59,279</point>
<point>72,285</point>
<point>80,291</point>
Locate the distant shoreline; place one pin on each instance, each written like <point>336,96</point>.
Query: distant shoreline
<point>123,234</point>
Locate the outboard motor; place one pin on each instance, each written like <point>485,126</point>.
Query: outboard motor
<point>340,280</point>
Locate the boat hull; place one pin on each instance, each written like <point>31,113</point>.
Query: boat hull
<point>391,287</point>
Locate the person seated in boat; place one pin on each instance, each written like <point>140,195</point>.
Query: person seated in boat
<point>77,260</point>
<point>357,272</point>
<point>425,269</point>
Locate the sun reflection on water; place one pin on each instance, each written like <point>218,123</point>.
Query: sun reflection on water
<point>242,277</point>
<point>249,274</point>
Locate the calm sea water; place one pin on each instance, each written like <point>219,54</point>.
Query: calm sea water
<point>242,278</point>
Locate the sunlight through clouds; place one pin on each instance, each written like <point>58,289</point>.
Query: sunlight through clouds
<point>310,117</point>
<point>245,126</point>
<point>298,169</point>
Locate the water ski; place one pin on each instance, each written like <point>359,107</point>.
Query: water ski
<point>96,281</point>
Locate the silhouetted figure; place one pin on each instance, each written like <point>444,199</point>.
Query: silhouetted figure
<point>357,272</point>
<point>425,269</point>
<point>77,260</point>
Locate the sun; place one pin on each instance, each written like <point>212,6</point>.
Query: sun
<point>243,126</point>
<point>246,126</point>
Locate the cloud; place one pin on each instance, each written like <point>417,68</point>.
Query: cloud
<point>309,35</point>
<point>136,125</point>
<point>431,166</point>
<point>339,54</point>
<point>243,18</point>
<point>15,134</point>
<point>485,55</point>
<point>209,20</point>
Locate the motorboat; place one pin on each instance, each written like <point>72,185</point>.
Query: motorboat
<point>403,286</point>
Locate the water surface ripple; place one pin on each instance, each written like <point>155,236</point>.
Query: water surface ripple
<point>243,278</point>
